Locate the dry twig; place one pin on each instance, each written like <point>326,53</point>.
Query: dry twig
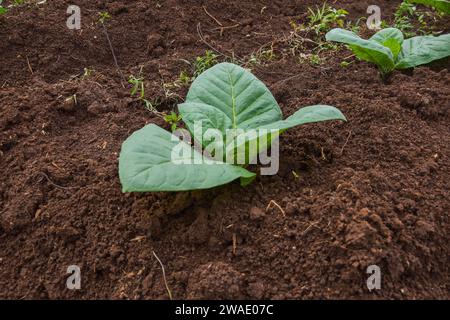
<point>212,17</point>
<point>272,204</point>
<point>29,65</point>
<point>346,141</point>
<point>164,275</point>
<point>54,184</point>
<point>114,56</point>
<point>202,38</point>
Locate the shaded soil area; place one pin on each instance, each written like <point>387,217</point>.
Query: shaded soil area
<point>372,191</point>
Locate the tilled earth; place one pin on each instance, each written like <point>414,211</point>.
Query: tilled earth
<point>372,191</point>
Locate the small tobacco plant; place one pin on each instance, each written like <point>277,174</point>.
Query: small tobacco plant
<point>389,50</point>
<point>442,6</point>
<point>224,98</point>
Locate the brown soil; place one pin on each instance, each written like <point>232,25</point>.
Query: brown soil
<point>374,190</point>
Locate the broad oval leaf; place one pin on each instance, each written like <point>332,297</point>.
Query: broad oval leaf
<point>367,50</point>
<point>234,92</point>
<point>422,50</point>
<point>147,163</point>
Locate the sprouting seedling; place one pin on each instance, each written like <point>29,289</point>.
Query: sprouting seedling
<point>173,120</point>
<point>184,78</point>
<point>226,101</point>
<point>103,17</point>
<point>389,50</point>
<point>87,72</point>
<point>137,86</point>
<point>138,89</point>
<point>202,63</point>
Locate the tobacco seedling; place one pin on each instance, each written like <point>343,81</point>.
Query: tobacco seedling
<point>440,5</point>
<point>389,50</point>
<point>225,98</point>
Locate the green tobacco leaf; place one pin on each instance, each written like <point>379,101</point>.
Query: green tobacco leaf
<point>147,164</point>
<point>234,92</point>
<point>391,38</point>
<point>367,50</point>
<point>440,5</point>
<point>310,114</point>
<point>386,34</point>
<point>422,50</point>
<point>210,117</point>
<point>394,45</point>
<point>3,10</point>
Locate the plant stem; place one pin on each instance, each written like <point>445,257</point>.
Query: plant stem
<point>114,56</point>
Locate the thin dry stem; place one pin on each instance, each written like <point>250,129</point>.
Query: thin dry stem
<point>164,275</point>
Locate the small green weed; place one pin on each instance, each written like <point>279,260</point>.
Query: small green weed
<point>137,86</point>
<point>184,78</point>
<point>263,54</point>
<point>324,18</point>
<point>173,120</point>
<point>202,63</point>
<point>103,17</point>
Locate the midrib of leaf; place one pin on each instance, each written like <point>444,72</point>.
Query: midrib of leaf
<point>233,100</point>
